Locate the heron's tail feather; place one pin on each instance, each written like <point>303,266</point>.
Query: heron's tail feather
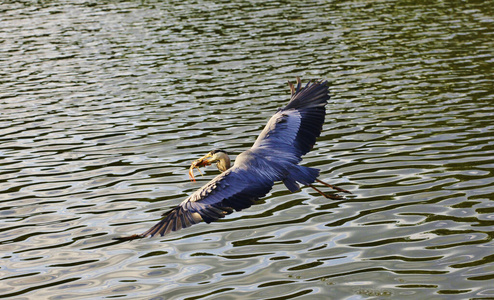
<point>304,175</point>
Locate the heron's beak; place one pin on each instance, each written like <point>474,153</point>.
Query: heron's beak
<point>196,164</point>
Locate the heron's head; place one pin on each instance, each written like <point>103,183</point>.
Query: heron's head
<point>218,156</point>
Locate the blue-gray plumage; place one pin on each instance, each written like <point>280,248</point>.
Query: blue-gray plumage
<point>275,156</point>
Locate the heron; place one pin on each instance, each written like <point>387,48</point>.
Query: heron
<point>275,156</point>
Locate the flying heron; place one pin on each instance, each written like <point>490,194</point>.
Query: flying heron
<point>275,156</point>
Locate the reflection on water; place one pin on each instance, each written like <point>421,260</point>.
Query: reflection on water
<point>104,105</point>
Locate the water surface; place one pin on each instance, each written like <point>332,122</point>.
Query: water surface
<point>103,105</point>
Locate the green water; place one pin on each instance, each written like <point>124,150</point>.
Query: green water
<point>103,105</point>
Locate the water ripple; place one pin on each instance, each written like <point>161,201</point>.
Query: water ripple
<point>104,105</point>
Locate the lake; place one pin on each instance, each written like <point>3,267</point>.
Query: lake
<point>104,105</point>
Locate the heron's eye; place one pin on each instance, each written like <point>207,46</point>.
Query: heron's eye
<point>217,151</point>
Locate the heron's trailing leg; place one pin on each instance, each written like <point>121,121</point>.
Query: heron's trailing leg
<point>333,187</point>
<point>334,197</point>
<point>330,196</point>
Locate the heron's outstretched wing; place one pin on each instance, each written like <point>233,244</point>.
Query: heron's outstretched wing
<point>234,189</point>
<point>293,129</point>
<point>292,132</point>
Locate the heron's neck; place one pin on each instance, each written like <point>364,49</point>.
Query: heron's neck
<point>223,164</point>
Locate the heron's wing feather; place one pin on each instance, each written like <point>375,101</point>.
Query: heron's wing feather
<point>294,128</point>
<point>234,189</point>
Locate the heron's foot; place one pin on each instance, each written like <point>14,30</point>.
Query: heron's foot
<point>329,196</point>
<point>129,238</point>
